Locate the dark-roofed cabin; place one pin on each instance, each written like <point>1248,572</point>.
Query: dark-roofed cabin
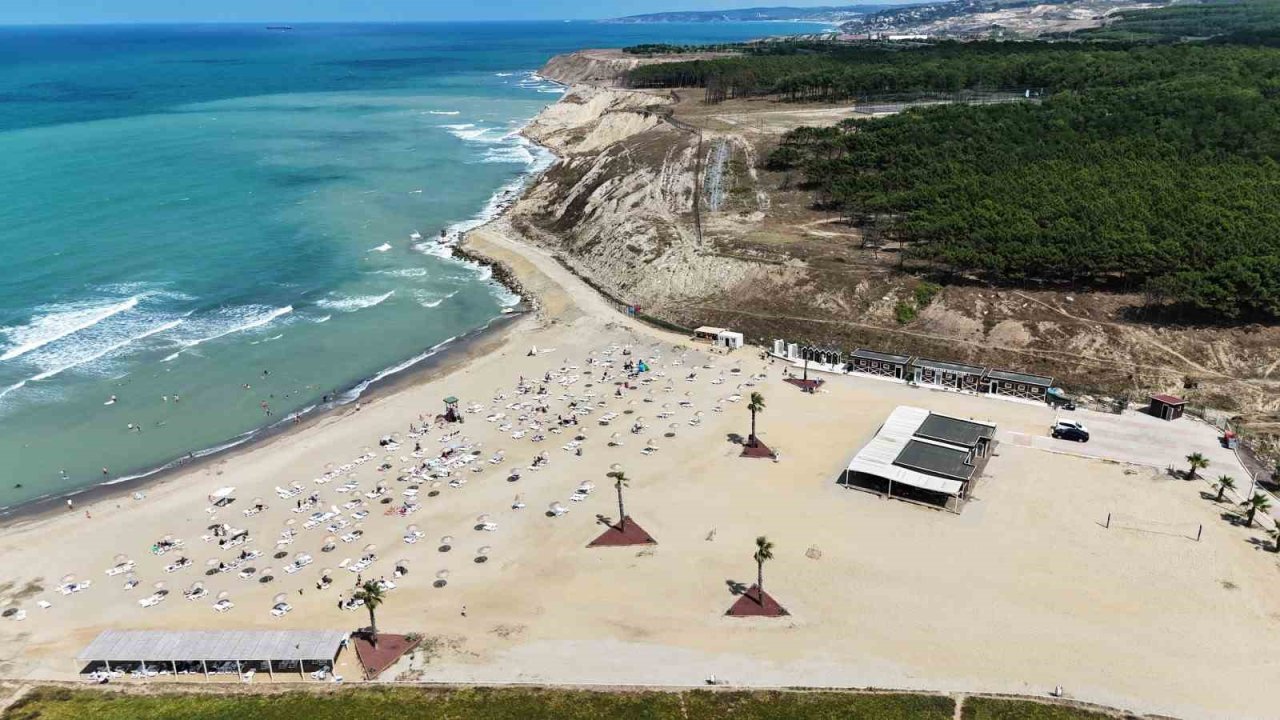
<point>1019,385</point>
<point>935,458</point>
<point>953,376</point>
<point>976,436</point>
<point>878,363</point>
<point>1166,407</point>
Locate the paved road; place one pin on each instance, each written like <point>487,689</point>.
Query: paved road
<point>1138,438</point>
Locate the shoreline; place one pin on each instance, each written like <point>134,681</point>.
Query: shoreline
<point>433,363</point>
<point>430,363</point>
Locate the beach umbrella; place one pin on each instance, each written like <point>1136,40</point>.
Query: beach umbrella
<point>196,587</point>
<point>482,518</point>
<point>121,558</point>
<point>300,556</point>
<point>223,595</point>
<point>329,543</point>
<point>446,543</point>
<point>556,507</point>
<point>411,530</point>
<point>158,585</point>
<point>290,522</point>
<point>616,467</point>
<point>68,579</point>
<point>328,467</point>
<point>257,501</point>
<point>9,611</point>
<point>279,598</point>
<point>211,563</point>
<point>370,548</point>
<point>442,575</point>
<point>483,551</point>
<point>266,576</point>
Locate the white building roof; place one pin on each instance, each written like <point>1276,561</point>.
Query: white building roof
<point>708,330</point>
<point>876,457</point>
<point>195,645</point>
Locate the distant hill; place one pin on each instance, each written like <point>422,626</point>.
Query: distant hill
<point>757,14</point>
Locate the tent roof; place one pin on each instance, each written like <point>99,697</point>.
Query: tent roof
<point>878,456</point>
<point>194,645</point>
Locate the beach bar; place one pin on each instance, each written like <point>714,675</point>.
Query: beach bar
<point>877,363</point>
<point>1019,385</point>
<point>213,651</point>
<point>922,457</point>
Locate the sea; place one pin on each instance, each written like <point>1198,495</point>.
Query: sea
<point>209,230</point>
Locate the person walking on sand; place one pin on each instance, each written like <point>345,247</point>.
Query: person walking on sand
<point>70,505</point>
<point>464,611</point>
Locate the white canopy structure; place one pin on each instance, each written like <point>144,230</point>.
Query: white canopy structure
<point>923,450</point>
<point>222,495</point>
<point>209,646</point>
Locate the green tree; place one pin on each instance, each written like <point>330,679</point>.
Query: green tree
<point>1197,462</point>
<point>764,551</point>
<point>756,406</point>
<point>372,596</point>
<point>1254,505</point>
<point>1225,483</point>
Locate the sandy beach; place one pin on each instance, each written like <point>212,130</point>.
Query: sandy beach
<point>1023,591</point>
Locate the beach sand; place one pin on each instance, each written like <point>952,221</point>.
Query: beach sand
<point>1023,591</point>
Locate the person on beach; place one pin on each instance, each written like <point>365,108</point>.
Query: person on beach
<point>70,505</point>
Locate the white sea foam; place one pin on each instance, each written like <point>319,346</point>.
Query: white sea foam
<point>359,389</point>
<point>97,355</point>
<point>409,272</point>
<point>353,303</point>
<point>469,132</point>
<point>242,319</point>
<point>429,300</point>
<point>443,112</point>
<point>59,322</point>
<point>324,319</point>
<point>381,248</point>
<point>504,74</point>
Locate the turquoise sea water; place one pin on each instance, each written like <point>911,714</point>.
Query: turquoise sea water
<point>214,224</point>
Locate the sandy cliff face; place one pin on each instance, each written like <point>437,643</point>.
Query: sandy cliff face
<point>619,203</point>
<point>597,67</point>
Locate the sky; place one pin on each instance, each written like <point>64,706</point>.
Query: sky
<point>21,12</point>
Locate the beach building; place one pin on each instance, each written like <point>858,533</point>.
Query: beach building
<point>952,376</point>
<point>722,337</point>
<point>214,651</point>
<point>1166,407</point>
<point>922,457</point>
<point>872,362</point>
<point>1018,385</point>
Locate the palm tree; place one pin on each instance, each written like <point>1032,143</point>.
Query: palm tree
<point>620,480</point>
<point>1258,502</point>
<point>764,551</point>
<point>1225,483</point>
<point>372,595</point>
<point>1275,539</point>
<point>1198,462</point>
<point>755,406</point>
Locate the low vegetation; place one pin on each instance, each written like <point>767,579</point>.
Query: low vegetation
<point>520,704</point>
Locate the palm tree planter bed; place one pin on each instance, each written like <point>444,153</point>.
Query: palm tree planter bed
<point>628,532</point>
<point>805,385</point>
<point>749,605</point>
<point>759,450</point>
<point>390,648</point>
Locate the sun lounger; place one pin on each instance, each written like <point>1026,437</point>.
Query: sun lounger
<point>281,609</point>
<point>223,605</point>
<point>121,568</point>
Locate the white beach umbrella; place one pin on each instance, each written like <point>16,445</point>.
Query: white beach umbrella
<point>158,585</point>
<point>370,548</point>
<point>556,507</point>
<point>482,518</point>
<point>483,551</point>
<point>300,556</point>
<point>412,529</point>
<point>223,595</point>
<point>446,542</point>
<point>121,558</point>
<point>68,578</point>
<point>279,598</point>
<point>442,574</point>
<point>196,586</point>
